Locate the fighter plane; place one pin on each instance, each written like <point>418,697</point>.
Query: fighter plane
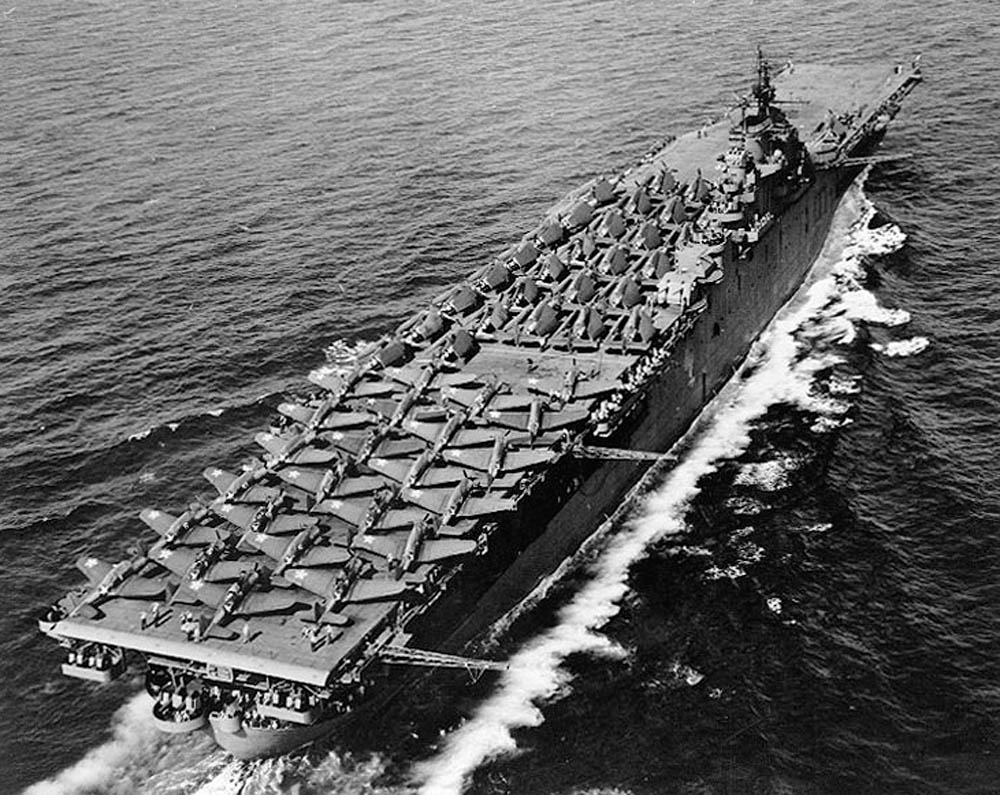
<point>241,488</point>
<point>418,473</point>
<point>340,386</point>
<point>305,550</point>
<point>321,419</point>
<point>348,585</point>
<point>184,529</point>
<point>403,551</point>
<point>239,599</point>
<point>207,565</point>
<point>500,459</point>
<point>450,433</point>
<point>265,518</point>
<point>411,471</point>
<point>456,503</point>
<point>376,511</point>
<point>375,441</point>
<point>574,384</point>
<point>295,449</point>
<point>113,581</point>
<point>430,374</point>
<point>538,418</point>
<point>493,395</point>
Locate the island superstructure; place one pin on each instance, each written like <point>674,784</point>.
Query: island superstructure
<point>426,487</point>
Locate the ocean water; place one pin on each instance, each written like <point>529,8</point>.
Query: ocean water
<point>200,199</point>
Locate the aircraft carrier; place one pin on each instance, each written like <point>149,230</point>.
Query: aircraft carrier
<point>425,488</point>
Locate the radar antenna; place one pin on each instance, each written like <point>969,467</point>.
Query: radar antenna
<point>763,91</point>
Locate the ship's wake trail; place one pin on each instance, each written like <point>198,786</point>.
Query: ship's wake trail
<point>805,338</point>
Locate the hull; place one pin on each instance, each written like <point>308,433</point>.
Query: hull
<point>248,742</point>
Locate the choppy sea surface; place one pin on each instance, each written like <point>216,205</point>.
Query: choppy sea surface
<point>199,199</point>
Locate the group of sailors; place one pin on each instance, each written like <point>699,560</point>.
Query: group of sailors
<point>244,704</point>
<point>295,699</point>
<point>96,656</point>
<point>179,705</point>
<point>634,378</point>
